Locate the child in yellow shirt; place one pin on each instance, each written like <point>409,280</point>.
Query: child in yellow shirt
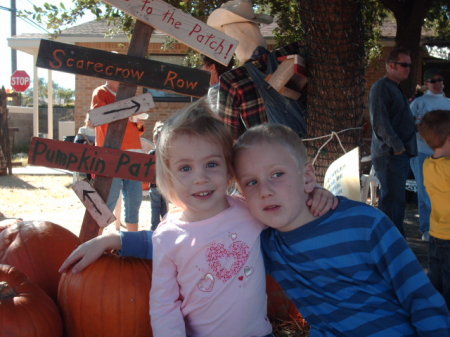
<point>435,129</point>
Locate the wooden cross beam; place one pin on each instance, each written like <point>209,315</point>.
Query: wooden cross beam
<point>138,47</point>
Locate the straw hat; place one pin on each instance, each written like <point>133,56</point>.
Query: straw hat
<point>236,11</point>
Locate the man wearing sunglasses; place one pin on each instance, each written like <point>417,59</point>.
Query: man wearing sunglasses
<point>433,99</point>
<point>393,135</point>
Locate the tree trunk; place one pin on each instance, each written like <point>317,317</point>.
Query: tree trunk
<point>336,65</point>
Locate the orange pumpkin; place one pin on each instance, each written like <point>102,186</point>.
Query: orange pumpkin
<point>37,249</point>
<point>25,309</point>
<point>279,306</point>
<point>108,298</point>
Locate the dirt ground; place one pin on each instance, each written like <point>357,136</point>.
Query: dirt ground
<point>50,198</point>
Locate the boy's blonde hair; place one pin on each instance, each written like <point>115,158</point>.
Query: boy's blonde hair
<point>194,120</point>
<point>435,127</point>
<point>273,134</point>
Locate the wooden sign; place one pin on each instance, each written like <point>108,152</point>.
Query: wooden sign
<point>92,159</point>
<point>94,203</point>
<point>121,109</point>
<point>123,68</point>
<point>342,176</point>
<point>182,26</point>
<point>292,68</point>
<point>139,44</point>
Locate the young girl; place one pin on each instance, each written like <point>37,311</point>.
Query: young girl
<point>208,272</point>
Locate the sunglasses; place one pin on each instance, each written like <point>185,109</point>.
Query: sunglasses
<point>436,80</point>
<point>403,64</point>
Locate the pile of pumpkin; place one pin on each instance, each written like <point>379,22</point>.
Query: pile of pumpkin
<point>108,298</point>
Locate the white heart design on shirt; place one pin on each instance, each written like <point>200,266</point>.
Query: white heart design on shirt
<point>206,283</point>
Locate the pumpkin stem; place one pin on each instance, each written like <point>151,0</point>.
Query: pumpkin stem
<point>6,291</point>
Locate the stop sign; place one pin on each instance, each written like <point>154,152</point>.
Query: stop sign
<point>20,81</point>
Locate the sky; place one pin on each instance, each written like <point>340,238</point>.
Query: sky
<point>23,26</point>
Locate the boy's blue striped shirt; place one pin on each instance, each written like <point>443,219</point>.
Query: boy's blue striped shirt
<point>351,273</point>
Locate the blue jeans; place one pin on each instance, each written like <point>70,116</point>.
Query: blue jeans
<point>439,266</point>
<point>392,172</point>
<point>132,198</point>
<point>158,206</point>
<point>423,199</point>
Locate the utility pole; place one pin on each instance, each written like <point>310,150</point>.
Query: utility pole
<point>13,33</point>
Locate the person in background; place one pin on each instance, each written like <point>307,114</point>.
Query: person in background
<point>216,69</point>
<point>433,99</point>
<point>393,135</point>
<point>86,133</point>
<point>131,189</point>
<point>157,202</point>
<point>349,271</point>
<point>435,130</point>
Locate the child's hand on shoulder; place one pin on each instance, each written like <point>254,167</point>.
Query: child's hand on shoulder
<point>321,201</point>
<point>90,251</point>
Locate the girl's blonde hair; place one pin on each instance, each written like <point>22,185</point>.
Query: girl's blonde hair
<point>194,120</point>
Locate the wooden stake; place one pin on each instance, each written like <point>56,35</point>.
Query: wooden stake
<point>138,47</point>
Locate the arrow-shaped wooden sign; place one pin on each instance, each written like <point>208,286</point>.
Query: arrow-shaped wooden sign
<point>121,109</point>
<point>92,159</point>
<point>94,203</point>
<point>182,26</point>
<point>135,70</point>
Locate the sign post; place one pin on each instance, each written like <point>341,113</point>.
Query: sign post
<point>182,26</point>
<point>130,71</point>
<point>139,43</point>
<point>122,109</point>
<point>20,80</point>
<point>122,68</point>
<point>94,204</point>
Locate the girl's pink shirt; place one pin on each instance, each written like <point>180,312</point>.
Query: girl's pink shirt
<point>208,276</point>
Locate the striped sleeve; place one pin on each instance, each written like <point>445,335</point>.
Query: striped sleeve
<point>352,273</point>
<point>399,266</point>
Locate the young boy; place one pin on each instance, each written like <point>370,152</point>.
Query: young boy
<point>349,272</point>
<point>435,129</point>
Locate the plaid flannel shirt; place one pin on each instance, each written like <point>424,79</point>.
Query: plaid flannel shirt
<point>239,104</point>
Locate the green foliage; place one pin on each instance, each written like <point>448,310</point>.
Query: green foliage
<point>439,18</point>
<point>56,17</point>
<point>290,28</point>
<point>288,18</point>
<point>373,14</point>
<point>20,153</point>
<point>61,95</point>
<point>287,13</point>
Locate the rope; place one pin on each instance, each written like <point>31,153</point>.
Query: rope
<point>330,137</point>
